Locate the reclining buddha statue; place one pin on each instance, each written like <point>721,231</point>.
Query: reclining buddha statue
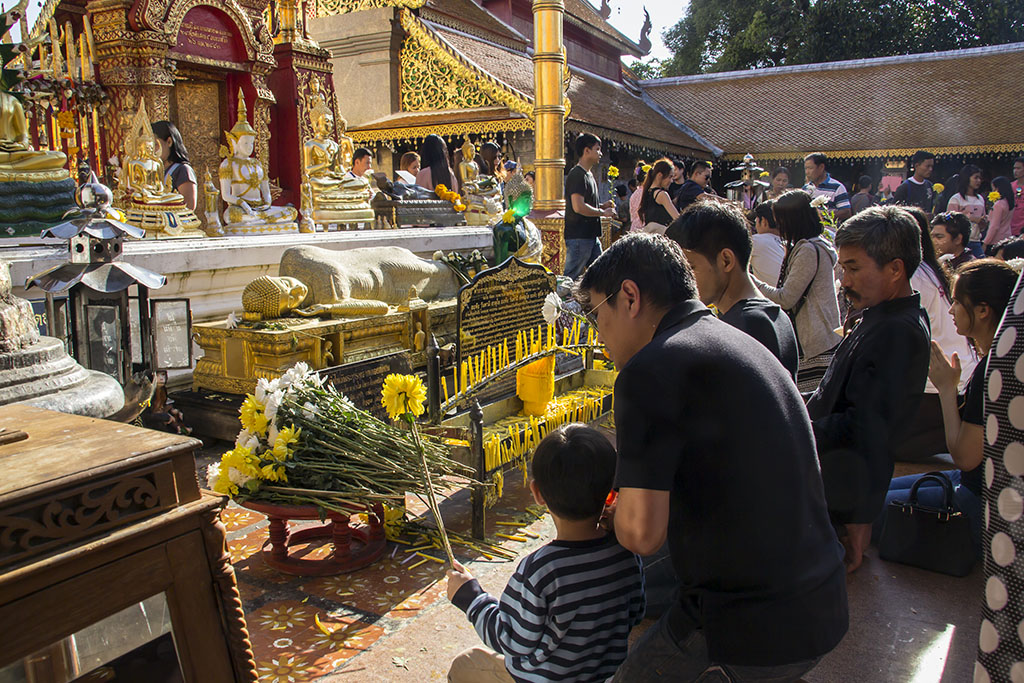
<point>354,282</point>
<point>330,193</point>
<point>244,186</point>
<point>148,199</point>
<point>480,192</point>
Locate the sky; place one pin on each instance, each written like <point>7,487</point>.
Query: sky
<point>628,17</point>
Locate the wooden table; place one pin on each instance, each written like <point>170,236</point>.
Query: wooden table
<point>110,555</point>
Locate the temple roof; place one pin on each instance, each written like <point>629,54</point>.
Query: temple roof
<point>956,102</point>
<point>599,105</point>
<point>468,16</point>
<point>581,13</point>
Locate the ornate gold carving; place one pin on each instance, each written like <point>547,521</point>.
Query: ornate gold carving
<point>885,153</point>
<point>444,130</point>
<point>433,76</point>
<point>198,119</point>
<point>327,8</point>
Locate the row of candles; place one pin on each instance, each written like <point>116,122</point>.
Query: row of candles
<point>494,359</point>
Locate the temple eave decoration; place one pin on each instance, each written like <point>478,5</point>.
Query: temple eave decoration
<point>1010,148</point>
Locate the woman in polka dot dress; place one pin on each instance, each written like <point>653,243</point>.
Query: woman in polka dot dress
<point>981,290</point>
<point>1001,640</point>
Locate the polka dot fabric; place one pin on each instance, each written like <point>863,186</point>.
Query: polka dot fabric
<point>1001,639</point>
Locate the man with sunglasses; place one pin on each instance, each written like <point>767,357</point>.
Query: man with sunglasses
<point>762,591</point>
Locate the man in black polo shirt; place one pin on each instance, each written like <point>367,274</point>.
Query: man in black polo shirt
<point>874,384</point>
<point>583,209</point>
<point>762,591</point>
<point>917,190</point>
<point>716,242</point>
<point>695,186</point>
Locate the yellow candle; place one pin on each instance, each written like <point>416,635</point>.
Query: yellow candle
<point>444,388</point>
<point>463,382</point>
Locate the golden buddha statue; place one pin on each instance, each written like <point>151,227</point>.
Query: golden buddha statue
<point>480,192</point>
<point>211,202</point>
<point>330,193</point>
<point>266,298</point>
<point>18,161</point>
<point>244,186</point>
<point>149,200</point>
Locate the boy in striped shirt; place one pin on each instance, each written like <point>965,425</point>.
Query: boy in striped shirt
<point>566,613</point>
<point>821,184</point>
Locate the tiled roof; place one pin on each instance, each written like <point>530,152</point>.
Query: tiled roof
<point>946,100</point>
<point>468,16</point>
<point>586,16</point>
<point>595,101</point>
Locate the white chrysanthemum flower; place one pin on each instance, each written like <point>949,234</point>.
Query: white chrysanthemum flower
<point>819,202</point>
<point>212,475</point>
<point>1016,263</point>
<point>273,403</point>
<point>237,478</point>
<point>552,308</point>
<point>309,410</point>
<point>272,433</point>
<point>243,438</point>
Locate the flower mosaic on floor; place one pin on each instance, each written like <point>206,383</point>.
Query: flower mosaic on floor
<point>305,628</point>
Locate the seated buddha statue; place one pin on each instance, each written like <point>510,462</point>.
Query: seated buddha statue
<point>148,200</point>
<point>18,161</point>
<point>479,192</point>
<point>331,194</point>
<point>245,188</point>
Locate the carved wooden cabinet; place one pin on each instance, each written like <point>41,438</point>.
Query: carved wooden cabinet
<point>113,565</point>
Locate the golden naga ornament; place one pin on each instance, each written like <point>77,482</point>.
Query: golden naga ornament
<point>148,199</point>
<point>331,193</point>
<point>244,185</point>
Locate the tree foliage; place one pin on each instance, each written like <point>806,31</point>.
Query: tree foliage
<point>726,35</point>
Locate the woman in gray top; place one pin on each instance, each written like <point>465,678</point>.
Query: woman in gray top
<point>176,162</point>
<point>806,289</point>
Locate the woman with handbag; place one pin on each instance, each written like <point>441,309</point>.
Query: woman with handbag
<point>807,286</point>
<point>981,290</point>
<point>656,209</point>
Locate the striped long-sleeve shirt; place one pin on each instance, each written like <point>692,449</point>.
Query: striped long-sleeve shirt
<point>565,614</point>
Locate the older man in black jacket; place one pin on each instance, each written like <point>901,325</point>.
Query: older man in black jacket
<point>874,384</point>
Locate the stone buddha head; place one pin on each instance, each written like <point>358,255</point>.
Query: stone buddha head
<point>272,297</point>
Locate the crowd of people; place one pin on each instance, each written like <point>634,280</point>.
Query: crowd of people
<point>841,334</point>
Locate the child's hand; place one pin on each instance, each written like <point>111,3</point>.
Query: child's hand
<point>457,576</point>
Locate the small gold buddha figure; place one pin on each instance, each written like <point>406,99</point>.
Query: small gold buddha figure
<point>331,194</point>
<point>211,203</point>
<point>148,199</point>
<point>244,185</point>
<point>479,192</point>
<point>266,297</point>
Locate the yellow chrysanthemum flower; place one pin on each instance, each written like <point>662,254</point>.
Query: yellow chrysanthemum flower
<point>461,207</point>
<point>613,172</point>
<point>939,188</point>
<point>509,217</point>
<point>273,472</point>
<point>402,394</point>
<point>252,416</point>
<point>439,188</point>
<point>764,174</point>
<point>285,439</point>
<point>994,196</point>
<point>646,168</point>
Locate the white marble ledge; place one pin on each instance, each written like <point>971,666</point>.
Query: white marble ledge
<point>216,253</point>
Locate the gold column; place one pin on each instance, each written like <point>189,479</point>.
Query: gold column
<point>549,129</point>
<point>548,67</point>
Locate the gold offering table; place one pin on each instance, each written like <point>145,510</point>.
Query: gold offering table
<point>113,563</point>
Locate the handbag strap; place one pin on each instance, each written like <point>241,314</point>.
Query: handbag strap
<point>803,297</point>
<point>939,477</point>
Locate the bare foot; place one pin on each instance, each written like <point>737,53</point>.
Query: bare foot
<point>856,541</point>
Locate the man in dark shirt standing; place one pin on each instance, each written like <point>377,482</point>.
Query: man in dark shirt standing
<point>917,190</point>
<point>716,242</point>
<point>678,178</point>
<point>582,209</point>
<point>695,186</point>
<point>874,384</point>
<point>762,592</point>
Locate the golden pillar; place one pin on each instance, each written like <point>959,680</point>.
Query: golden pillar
<point>549,127</point>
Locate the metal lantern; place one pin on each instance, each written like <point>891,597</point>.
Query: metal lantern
<point>98,286</point>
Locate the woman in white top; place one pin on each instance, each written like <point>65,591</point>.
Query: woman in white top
<point>926,435</point>
<point>768,252</point>
<point>969,202</point>
<point>807,286</point>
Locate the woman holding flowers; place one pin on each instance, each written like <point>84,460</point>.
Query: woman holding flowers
<point>1001,215</point>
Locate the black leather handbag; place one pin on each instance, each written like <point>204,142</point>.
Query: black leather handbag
<point>937,539</point>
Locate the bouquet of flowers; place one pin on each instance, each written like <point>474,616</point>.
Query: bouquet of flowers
<point>302,443</point>
<point>455,198</point>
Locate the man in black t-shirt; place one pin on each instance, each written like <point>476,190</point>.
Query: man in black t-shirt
<point>695,186</point>
<point>716,455</point>
<point>875,381</point>
<point>917,190</point>
<point>678,178</point>
<point>583,208</point>
<point>716,242</point>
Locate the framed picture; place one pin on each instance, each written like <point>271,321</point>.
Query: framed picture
<point>171,322</point>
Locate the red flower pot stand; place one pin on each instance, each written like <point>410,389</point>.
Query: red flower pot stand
<point>353,547</point>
